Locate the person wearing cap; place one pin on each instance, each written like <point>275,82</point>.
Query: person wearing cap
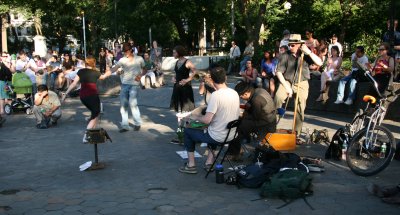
<point>286,72</point>
<point>259,115</point>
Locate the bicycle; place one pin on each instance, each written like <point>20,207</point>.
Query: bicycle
<point>372,145</point>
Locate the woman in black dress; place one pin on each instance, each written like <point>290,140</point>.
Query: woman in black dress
<point>182,96</point>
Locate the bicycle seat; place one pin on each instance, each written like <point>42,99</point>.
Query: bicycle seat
<point>370,99</point>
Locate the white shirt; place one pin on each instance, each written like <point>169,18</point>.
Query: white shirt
<point>224,104</point>
<point>30,63</point>
<point>131,69</point>
<point>362,60</point>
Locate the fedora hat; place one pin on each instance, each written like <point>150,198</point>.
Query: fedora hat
<point>295,38</point>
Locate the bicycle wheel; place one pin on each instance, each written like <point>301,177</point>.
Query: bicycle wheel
<point>367,160</point>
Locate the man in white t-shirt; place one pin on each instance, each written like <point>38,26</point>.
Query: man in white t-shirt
<point>357,58</point>
<point>222,108</point>
<point>24,64</point>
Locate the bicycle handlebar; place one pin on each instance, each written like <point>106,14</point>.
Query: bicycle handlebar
<point>372,79</point>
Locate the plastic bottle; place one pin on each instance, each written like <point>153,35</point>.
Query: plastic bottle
<point>344,149</point>
<point>383,151</point>
<point>219,174</point>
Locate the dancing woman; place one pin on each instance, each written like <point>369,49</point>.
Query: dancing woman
<point>88,94</point>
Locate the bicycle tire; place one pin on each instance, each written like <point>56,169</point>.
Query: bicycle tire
<point>358,157</point>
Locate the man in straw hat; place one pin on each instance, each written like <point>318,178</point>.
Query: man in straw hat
<point>288,70</point>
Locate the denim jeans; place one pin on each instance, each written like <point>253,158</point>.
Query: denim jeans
<point>342,85</point>
<point>243,63</point>
<point>128,99</point>
<point>53,77</point>
<point>197,135</point>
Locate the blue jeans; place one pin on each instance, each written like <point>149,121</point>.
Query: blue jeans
<point>53,77</point>
<point>243,63</point>
<point>197,135</point>
<point>342,85</point>
<point>128,100</point>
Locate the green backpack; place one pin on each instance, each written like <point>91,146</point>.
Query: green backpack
<point>289,185</point>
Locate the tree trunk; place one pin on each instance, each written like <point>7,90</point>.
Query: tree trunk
<point>4,32</point>
<point>252,29</point>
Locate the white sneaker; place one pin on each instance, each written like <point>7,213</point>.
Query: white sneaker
<point>339,102</point>
<point>349,102</point>
<point>84,141</point>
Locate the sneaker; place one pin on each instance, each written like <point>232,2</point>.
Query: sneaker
<point>123,129</point>
<point>188,169</point>
<point>349,102</point>
<point>339,102</point>
<point>84,141</point>
<point>53,123</point>
<point>136,128</point>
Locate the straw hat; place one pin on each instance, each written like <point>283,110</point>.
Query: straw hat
<point>295,38</point>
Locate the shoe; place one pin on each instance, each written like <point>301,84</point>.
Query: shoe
<point>153,86</point>
<point>84,140</point>
<point>175,141</point>
<point>188,169</point>
<point>123,129</point>
<point>339,102</point>
<point>53,123</point>
<point>136,128</point>
<point>349,102</point>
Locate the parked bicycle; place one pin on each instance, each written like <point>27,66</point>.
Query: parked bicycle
<point>372,145</point>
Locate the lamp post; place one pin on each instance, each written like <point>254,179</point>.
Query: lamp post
<point>84,33</point>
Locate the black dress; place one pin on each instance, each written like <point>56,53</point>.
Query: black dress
<point>182,98</point>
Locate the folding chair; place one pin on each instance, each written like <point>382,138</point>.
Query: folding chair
<point>231,125</point>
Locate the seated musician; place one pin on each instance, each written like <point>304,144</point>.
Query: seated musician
<point>259,115</point>
<point>222,108</point>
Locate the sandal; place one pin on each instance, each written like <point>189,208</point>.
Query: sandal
<point>207,167</point>
<point>188,169</point>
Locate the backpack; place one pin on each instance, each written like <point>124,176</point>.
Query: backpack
<point>253,176</point>
<point>334,150</point>
<point>289,185</point>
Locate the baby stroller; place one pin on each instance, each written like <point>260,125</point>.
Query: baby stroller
<point>21,93</point>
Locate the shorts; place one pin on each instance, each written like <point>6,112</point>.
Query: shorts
<point>3,93</point>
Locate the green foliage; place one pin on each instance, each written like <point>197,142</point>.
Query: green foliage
<point>370,43</point>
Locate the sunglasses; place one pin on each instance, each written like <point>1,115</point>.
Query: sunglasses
<point>381,49</point>
<point>292,45</point>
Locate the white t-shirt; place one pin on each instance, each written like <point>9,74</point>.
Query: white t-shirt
<point>362,60</point>
<point>131,69</point>
<point>19,66</point>
<point>224,104</point>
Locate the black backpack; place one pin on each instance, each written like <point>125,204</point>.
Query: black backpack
<point>254,175</point>
<point>334,150</point>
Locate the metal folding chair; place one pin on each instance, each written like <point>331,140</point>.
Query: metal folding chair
<point>231,125</point>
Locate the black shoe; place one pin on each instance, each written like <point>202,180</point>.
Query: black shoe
<point>136,128</point>
<point>53,123</point>
<point>41,126</point>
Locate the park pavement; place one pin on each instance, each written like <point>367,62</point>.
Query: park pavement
<point>39,171</point>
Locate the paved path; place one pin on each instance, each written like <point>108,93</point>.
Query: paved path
<point>40,175</point>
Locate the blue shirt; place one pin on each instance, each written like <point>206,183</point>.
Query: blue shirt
<point>268,67</point>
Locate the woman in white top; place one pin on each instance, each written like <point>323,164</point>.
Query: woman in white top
<point>331,72</point>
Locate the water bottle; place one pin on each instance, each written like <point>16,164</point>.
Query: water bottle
<point>344,149</point>
<point>383,151</point>
<point>219,174</point>
<point>179,132</point>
